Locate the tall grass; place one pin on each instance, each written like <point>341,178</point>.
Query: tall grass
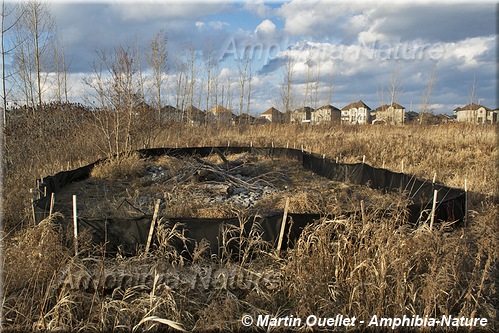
<point>357,266</point>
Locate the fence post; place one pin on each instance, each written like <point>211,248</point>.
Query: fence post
<point>75,224</point>
<point>283,225</point>
<point>153,224</point>
<point>433,207</point>
<point>52,202</point>
<point>465,202</point>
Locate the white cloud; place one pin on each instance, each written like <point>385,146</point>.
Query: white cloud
<point>144,11</point>
<point>371,35</point>
<point>218,25</point>
<point>469,51</point>
<point>258,8</point>
<point>265,30</point>
<point>317,18</point>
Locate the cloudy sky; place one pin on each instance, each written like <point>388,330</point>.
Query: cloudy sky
<point>351,49</point>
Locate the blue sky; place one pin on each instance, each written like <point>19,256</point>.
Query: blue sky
<point>351,49</point>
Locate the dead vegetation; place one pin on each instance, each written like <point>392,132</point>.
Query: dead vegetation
<point>356,265</point>
<point>216,186</point>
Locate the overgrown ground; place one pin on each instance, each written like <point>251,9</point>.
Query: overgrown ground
<point>376,266</point>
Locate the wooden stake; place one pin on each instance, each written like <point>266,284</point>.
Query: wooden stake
<point>283,225</point>
<point>362,210</point>
<point>33,210</point>
<point>52,201</point>
<point>433,207</point>
<point>75,224</point>
<point>402,166</point>
<point>434,177</point>
<point>383,166</point>
<point>287,144</point>
<point>364,159</point>
<point>153,224</point>
<point>465,202</point>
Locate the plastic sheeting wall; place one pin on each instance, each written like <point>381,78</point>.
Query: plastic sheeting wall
<point>128,233</point>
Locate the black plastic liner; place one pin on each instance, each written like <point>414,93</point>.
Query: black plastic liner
<point>126,235</point>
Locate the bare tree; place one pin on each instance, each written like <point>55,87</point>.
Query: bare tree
<point>250,79</point>
<point>395,85</point>
<point>471,97</point>
<point>209,66</point>
<point>307,82</point>
<point>193,69</point>
<point>180,69</point>
<point>4,29</point>
<point>35,32</point>
<point>426,96</point>
<point>331,87</point>
<point>243,68</point>
<point>61,70</point>
<point>158,58</point>
<point>394,89</point>
<point>287,98</point>
<point>317,85</point>
<point>117,82</point>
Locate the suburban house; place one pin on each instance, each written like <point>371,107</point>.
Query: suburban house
<point>302,115</point>
<point>393,114</point>
<point>244,119</point>
<point>171,113</point>
<point>475,113</point>
<point>356,113</point>
<point>221,115</point>
<point>326,114</point>
<point>194,115</point>
<point>273,115</point>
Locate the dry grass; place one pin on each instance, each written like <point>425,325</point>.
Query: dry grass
<point>377,268</point>
<point>126,167</point>
<point>349,266</point>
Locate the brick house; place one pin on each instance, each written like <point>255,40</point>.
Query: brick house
<point>273,115</point>
<point>356,113</point>
<point>475,113</point>
<point>393,114</point>
<point>326,114</point>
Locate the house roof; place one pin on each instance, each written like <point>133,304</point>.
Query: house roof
<point>356,105</point>
<point>330,107</point>
<point>386,106</point>
<point>219,109</point>
<point>193,109</point>
<point>472,106</point>
<point>271,111</point>
<point>169,108</point>
<point>304,109</point>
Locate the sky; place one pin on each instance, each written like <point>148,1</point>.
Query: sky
<point>346,51</point>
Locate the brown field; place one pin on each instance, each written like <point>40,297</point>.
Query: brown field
<point>349,266</point>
